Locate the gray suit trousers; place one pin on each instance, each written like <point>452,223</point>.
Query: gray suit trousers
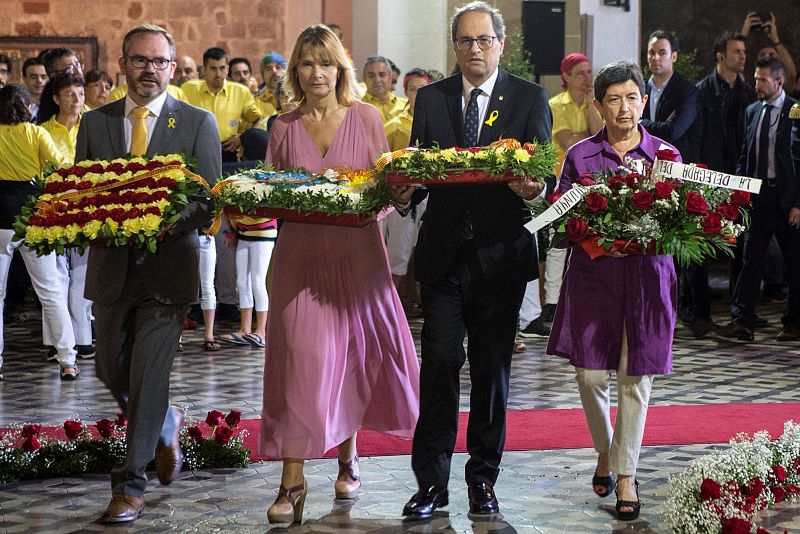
<point>136,341</point>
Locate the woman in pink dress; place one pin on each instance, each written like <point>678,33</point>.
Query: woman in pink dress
<point>339,353</point>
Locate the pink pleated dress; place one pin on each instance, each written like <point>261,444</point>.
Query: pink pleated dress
<point>339,352</point>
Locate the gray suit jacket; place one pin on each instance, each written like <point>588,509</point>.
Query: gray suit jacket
<point>171,274</point>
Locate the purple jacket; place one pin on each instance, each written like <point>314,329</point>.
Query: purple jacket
<point>602,298</point>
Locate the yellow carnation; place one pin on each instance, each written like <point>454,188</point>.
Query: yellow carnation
<point>521,155</point>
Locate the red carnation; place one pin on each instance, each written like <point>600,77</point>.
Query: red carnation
<point>664,189</point>
<point>31,444</point>
<point>780,472</point>
<point>596,202</point>
<point>739,198</point>
<point>72,429</point>
<point>215,418</point>
<point>63,172</point>
<point>711,223</point>
<point>121,420</point>
<point>141,198</point>
<point>710,489</point>
<point>586,179</point>
<point>695,203</point>
<point>734,525</point>
<point>577,229</point>
<point>152,165</point>
<point>95,168</point>
<point>174,162</point>
<point>474,149</point>
<point>106,427</point>
<point>118,215</point>
<point>82,186</point>
<point>152,210</point>
<point>233,418</point>
<point>78,171</point>
<point>166,182</point>
<point>116,168</point>
<point>31,430</point>
<point>134,213</point>
<point>222,435</point>
<point>553,197</point>
<point>643,200</point>
<point>667,154</point>
<point>134,166</point>
<point>196,434</point>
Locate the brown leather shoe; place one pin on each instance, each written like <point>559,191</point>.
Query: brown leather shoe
<point>789,333</point>
<point>123,508</point>
<point>735,331</point>
<point>169,458</point>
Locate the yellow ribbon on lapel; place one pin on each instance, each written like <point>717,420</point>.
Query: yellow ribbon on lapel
<point>492,117</point>
<point>171,122</point>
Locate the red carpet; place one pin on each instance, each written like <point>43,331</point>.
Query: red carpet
<point>566,429</point>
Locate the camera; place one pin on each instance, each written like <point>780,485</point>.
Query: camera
<point>765,16</point>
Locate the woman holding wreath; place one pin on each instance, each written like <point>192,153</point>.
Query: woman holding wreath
<point>339,353</point>
<point>616,312</point>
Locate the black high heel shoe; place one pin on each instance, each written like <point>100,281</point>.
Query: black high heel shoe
<point>609,483</point>
<point>636,505</point>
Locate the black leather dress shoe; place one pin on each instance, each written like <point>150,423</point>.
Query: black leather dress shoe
<point>425,502</point>
<point>482,499</point>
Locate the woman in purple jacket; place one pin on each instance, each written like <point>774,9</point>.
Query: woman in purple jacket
<point>616,312</point>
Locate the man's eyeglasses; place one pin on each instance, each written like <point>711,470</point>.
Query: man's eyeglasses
<point>484,42</point>
<point>75,66</point>
<point>141,62</point>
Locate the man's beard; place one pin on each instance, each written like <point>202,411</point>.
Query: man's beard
<point>146,92</point>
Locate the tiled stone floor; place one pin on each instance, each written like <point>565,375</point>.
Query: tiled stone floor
<point>539,491</point>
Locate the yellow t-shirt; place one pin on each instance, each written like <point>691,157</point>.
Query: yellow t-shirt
<point>398,130</point>
<point>122,91</point>
<point>26,149</point>
<point>64,139</point>
<point>390,109</point>
<point>266,103</point>
<point>232,105</point>
<point>567,116</point>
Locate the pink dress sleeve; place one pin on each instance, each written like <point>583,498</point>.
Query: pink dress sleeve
<point>373,128</point>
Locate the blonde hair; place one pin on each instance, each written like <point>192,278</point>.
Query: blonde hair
<point>320,42</point>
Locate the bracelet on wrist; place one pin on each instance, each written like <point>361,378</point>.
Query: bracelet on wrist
<point>775,45</point>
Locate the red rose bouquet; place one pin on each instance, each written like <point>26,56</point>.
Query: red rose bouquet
<point>632,211</point>
<point>121,202</point>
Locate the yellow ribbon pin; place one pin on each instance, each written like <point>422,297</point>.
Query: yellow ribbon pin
<point>171,122</point>
<point>492,117</point>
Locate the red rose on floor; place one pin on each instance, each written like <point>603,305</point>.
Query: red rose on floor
<point>31,430</point>
<point>72,429</point>
<point>728,211</point>
<point>710,489</point>
<point>643,200</point>
<point>196,434</point>
<point>779,493</point>
<point>121,420</point>
<point>780,472</point>
<point>215,418</point>
<point>233,418</point>
<point>586,179</point>
<point>695,203</point>
<point>31,444</point>
<point>222,435</point>
<point>734,525</point>
<point>577,228</point>
<point>667,154</point>
<point>553,197</point>
<point>596,202</point>
<point>664,189</point>
<point>739,198</point>
<point>711,223</point>
<point>106,427</point>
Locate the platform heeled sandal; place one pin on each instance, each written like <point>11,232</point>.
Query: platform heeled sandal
<point>636,505</point>
<point>609,483</point>
<point>292,510</point>
<point>347,489</point>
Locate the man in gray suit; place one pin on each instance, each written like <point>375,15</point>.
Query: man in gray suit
<point>141,298</point>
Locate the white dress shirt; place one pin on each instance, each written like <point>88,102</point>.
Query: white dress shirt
<point>483,99</point>
<point>155,106</point>
<point>775,118</point>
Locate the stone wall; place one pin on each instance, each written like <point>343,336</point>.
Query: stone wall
<point>242,27</point>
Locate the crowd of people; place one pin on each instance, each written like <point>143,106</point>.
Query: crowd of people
<point>339,355</point>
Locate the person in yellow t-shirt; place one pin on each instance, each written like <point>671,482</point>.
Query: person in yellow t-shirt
<point>26,149</point>
<point>398,129</point>
<point>69,95</point>
<point>273,68</point>
<point>378,79</point>
<point>231,103</point>
<point>122,92</point>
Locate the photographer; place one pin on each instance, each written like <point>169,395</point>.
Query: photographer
<point>764,21</point>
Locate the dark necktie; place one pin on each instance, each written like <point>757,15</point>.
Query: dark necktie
<point>763,143</point>
<point>471,119</point>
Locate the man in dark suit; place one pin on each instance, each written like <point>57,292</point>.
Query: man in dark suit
<point>473,259</point>
<point>767,154</point>
<point>671,107</point>
<point>141,298</point>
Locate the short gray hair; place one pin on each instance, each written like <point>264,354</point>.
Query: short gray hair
<point>378,59</point>
<point>480,7</point>
<point>617,72</point>
<point>146,27</point>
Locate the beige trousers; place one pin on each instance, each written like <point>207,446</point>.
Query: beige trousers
<point>624,442</point>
